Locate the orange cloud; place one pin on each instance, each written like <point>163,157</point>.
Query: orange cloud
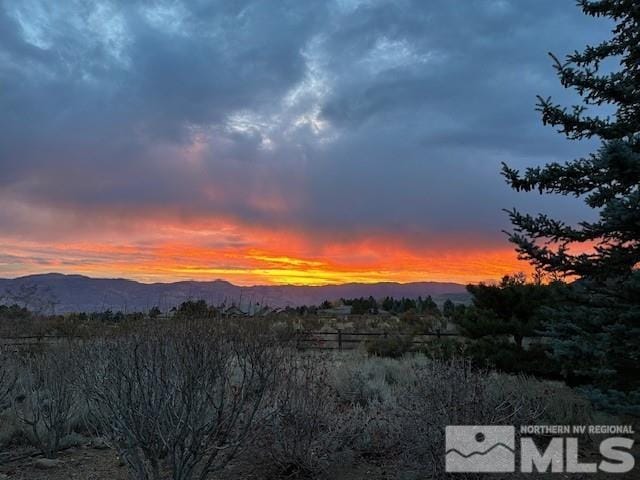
<point>247,255</point>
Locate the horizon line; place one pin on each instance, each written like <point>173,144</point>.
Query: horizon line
<point>241,286</point>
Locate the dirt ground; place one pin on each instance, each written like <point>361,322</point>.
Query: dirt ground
<point>88,463</point>
<point>83,463</point>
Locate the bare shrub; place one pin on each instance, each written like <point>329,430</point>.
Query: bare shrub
<point>367,380</point>
<point>454,393</point>
<point>562,405</point>
<point>187,402</point>
<point>9,427</point>
<point>410,402</point>
<point>8,378</point>
<point>391,346</point>
<point>11,430</point>
<point>312,427</point>
<point>49,400</point>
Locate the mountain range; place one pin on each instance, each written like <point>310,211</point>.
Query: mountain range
<point>54,292</point>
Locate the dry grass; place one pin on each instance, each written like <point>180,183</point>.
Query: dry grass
<point>192,399</point>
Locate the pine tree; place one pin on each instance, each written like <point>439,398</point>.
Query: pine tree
<point>510,308</point>
<point>597,332</point>
<point>430,307</point>
<point>448,308</point>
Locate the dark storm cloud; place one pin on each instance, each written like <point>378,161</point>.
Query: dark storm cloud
<point>335,117</point>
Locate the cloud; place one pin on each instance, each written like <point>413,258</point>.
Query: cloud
<point>340,121</point>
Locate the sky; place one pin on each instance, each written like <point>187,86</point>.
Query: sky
<point>270,142</point>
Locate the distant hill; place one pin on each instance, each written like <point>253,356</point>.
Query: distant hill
<point>74,293</point>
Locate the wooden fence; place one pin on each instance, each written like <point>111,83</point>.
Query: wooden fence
<point>326,340</point>
<point>340,340</point>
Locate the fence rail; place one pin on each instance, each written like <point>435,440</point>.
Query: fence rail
<point>340,339</point>
<point>304,339</point>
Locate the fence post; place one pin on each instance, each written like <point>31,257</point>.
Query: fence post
<point>339,340</point>
<point>438,333</point>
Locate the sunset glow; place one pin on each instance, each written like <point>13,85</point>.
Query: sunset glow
<point>256,257</point>
<point>298,143</point>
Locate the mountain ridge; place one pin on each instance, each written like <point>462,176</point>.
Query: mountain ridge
<point>64,293</point>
